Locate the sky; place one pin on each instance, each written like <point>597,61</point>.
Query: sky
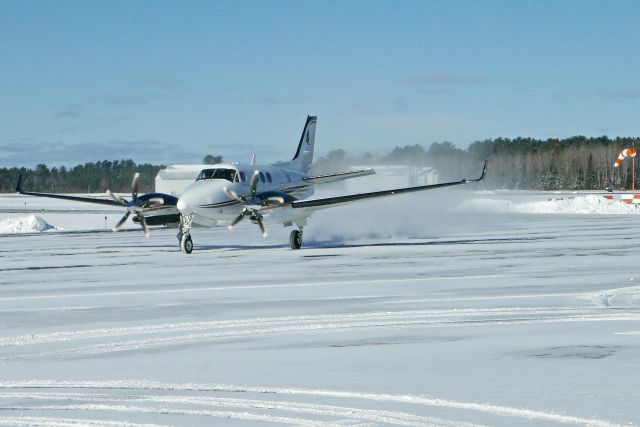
<point>169,82</point>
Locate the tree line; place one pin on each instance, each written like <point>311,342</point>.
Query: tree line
<point>87,178</point>
<point>576,163</point>
<point>92,177</point>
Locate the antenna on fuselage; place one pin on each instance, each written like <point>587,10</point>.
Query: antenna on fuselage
<point>253,160</point>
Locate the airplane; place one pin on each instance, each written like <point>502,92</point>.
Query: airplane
<point>277,193</point>
<point>147,209</point>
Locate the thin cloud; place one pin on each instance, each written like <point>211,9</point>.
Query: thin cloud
<point>152,90</point>
<point>124,100</point>
<point>443,79</point>
<point>617,93</point>
<point>268,99</point>
<point>71,111</point>
<point>51,153</point>
<point>156,89</point>
<point>167,84</point>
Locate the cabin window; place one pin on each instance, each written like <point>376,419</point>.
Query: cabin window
<point>226,174</point>
<point>261,177</point>
<point>269,177</point>
<point>243,176</point>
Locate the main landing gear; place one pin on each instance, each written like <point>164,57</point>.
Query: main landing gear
<point>184,238</point>
<point>295,239</point>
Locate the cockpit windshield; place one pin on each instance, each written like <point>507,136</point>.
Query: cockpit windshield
<point>228,174</point>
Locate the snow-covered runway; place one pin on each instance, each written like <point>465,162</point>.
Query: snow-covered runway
<point>443,314</point>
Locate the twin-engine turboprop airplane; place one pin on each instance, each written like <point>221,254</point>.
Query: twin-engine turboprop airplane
<point>275,193</point>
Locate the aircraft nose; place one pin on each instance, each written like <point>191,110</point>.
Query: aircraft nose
<point>184,207</point>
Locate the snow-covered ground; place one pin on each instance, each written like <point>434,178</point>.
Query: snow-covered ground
<point>448,309</point>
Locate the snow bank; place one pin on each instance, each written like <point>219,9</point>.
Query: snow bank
<point>24,224</point>
<point>591,204</point>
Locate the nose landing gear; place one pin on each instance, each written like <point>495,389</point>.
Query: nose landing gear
<point>186,244</point>
<point>184,238</point>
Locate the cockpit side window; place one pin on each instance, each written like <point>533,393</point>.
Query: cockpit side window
<point>205,174</point>
<point>243,176</point>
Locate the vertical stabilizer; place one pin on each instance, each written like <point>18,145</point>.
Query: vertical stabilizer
<point>304,155</point>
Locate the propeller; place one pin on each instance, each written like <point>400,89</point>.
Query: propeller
<point>136,205</point>
<point>135,186</point>
<point>256,202</point>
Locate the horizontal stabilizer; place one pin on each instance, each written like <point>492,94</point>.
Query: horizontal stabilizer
<point>335,177</point>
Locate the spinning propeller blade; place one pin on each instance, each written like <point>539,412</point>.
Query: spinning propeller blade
<point>117,198</point>
<point>229,192</point>
<point>143,222</point>
<point>261,225</point>
<point>254,183</point>
<point>255,203</point>
<point>121,222</point>
<point>136,206</point>
<point>135,185</point>
<point>236,221</point>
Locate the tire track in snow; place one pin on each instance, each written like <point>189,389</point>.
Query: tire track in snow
<point>342,415</point>
<point>249,287</point>
<point>67,422</point>
<point>143,386</point>
<point>247,416</point>
<point>40,338</point>
<point>167,335</point>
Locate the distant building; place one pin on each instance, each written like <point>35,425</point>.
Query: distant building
<point>174,179</point>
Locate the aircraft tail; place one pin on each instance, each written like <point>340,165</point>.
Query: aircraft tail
<point>304,155</point>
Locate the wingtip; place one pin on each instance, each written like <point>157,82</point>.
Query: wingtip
<point>19,188</point>
<point>484,171</point>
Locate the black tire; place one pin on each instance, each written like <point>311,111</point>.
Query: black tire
<point>295,239</point>
<point>187,244</point>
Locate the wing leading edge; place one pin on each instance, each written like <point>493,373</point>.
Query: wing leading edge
<point>322,203</point>
<point>20,190</point>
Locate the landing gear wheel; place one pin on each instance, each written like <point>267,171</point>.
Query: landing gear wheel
<point>295,238</point>
<point>186,244</point>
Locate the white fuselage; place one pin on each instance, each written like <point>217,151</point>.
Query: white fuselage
<point>208,202</point>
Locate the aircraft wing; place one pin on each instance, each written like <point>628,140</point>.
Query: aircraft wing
<point>109,202</point>
<point>332,201</point>
<point>334,177</point>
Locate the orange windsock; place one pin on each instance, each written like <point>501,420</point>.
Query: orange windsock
<point>627,152</point>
